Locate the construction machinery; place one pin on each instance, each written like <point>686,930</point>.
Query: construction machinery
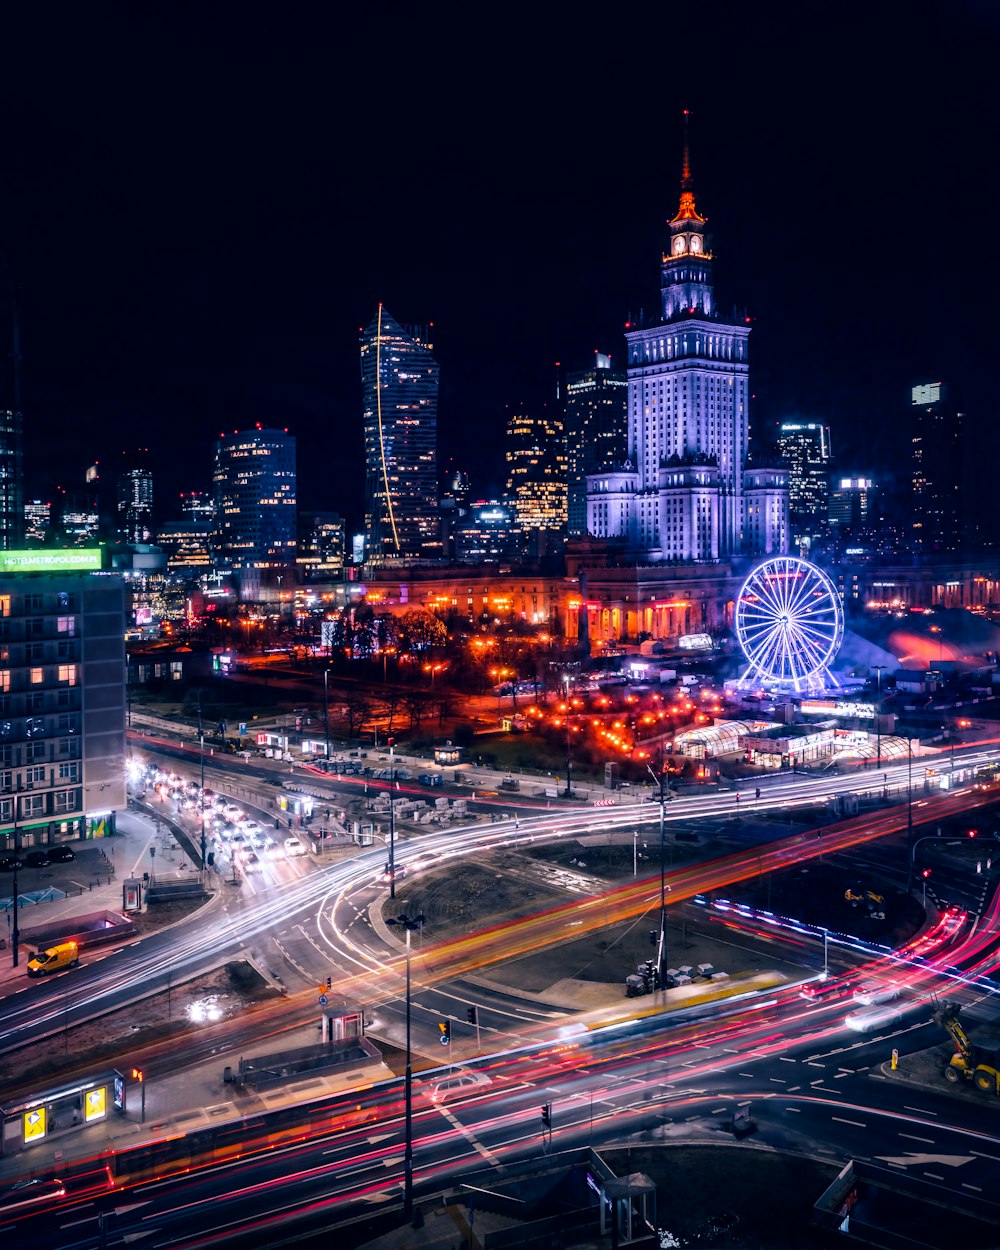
<point>979,1064</point>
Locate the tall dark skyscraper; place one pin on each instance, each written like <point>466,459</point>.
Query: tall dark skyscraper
<point>687,491</point>
<point>596,432</point>
<point>805,451</point>
<point>936,470</point>
<point>400,380</point>
<point>11,419</point>
<point>254,485</point>
<point>135,501</point>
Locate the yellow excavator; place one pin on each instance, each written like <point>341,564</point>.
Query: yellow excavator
<point>969,1062</point>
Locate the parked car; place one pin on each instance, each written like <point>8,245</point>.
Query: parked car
<point>9,862</point>
<point>61,854</point>
<point>35,859</point>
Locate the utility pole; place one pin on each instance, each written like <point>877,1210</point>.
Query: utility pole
<point>201,740</point>
<point>15,933</point>
<point>878,715</point>
<point>661,953</point>
<point>392,825</point>
<point>326,708</point>
<point>409,924</point>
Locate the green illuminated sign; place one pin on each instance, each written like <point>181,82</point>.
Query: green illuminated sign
<point>73,560</point>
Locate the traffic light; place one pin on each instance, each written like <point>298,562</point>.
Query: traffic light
<point>926,873</point>
<point>445,1028</point>
<point>756,793</point>
<point>329,983</point>
<point>472,1015</point>
<point>547,1116</point>
<point>972,833</point>
<point>653,937</point>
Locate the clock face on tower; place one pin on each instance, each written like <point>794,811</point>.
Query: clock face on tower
<point>679,245</point>
<point>696,243</point>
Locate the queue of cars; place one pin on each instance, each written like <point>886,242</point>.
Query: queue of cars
<point>236,833</point>
<point>875,1001</point>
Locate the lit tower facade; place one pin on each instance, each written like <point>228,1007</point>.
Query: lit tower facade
<point>254,486</point>
<point>936,470</point>
<point>596,432</point>
<point>135,505</point>
<point>400,380</point>
<point>11,420</point>
<point>686,491</point>
<point>804,447</point>
<point>536,476</point>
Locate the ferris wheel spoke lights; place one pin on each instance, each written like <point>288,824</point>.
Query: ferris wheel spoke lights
<point>790,624</point>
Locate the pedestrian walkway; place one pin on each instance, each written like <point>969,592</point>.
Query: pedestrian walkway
<point>193,1099</point>
<point>92,882</point>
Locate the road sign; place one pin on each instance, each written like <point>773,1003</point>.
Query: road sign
<point>323,1000</point>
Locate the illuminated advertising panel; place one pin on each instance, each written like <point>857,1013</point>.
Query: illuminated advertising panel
<point>33,1126</point>
<point>95,1104</point>
<point>77,560</point>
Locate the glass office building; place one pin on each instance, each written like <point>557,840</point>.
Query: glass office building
<point>400,380</point>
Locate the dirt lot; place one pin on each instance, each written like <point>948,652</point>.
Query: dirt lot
<point>477,894</point>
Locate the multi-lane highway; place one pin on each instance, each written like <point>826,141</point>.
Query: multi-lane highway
<point>648,1081</point>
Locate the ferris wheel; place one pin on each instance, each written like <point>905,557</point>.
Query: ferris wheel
<point>790,624</point>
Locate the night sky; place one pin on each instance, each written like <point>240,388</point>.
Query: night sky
<point>201,205</point>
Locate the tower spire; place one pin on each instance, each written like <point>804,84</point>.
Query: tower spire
<point>687,211</point>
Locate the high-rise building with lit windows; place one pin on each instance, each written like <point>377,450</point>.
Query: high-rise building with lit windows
<point>254,488</point>
<point>936,470</point>
<point>536,473</point>
<point>804,447</point>
<point>135,504</point>
<point>400,380</point>
<point>11,420</point>
<point>596,432</point>
<point>687,490</point>
<point>62,696</point>
<point>37,522</point>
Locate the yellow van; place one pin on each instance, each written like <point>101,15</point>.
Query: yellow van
<point>65,955</point>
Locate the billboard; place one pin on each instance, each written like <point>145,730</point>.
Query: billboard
<point>71,560</point>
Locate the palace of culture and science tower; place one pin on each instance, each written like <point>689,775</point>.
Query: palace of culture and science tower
<point>673,529</point>
<point>686,492</point>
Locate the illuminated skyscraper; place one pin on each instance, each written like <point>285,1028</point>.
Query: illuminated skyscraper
<point>255,510</point>
<point>400,381</point>
<point>936,465</point>
<point>135,504</point>
<point>687,491</point>
<point>596,432</point>
<point>805,451</point>
<point>11,420</point>
<point>536,475</point>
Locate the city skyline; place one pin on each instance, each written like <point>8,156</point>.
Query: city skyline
<point>197,261</point>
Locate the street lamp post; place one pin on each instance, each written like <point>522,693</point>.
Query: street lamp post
<point>409,925</point>
<point>909,787</point>
<point>326,709</point>
<point>392,818</point>
<point>878,715</point>
<point>201,795</point>
<point>661,955</point>
<point>15,933</point>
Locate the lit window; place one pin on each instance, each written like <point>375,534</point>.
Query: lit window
<point>37,676</point>
<point>67,674</point>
